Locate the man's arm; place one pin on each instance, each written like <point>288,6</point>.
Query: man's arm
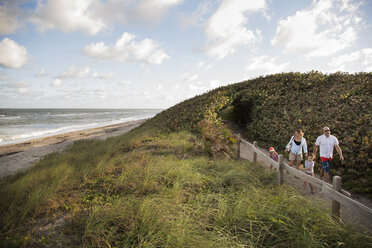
<point>338,149</point>
<point>305,147</point>
<point>315,150</point>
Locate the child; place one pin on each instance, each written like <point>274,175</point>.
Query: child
<point>273,155</point>
<point>309,169</point>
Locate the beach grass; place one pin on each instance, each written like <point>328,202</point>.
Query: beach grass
<point>149,188</point>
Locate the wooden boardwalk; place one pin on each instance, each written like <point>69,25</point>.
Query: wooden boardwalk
<point>342,205</point>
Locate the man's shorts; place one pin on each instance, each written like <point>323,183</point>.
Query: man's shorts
<point>325,165</point>
<point>293,156</point>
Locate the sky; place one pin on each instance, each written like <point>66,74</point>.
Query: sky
<point>157,53</point>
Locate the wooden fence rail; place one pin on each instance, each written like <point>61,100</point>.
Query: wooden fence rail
<point>338,195</point>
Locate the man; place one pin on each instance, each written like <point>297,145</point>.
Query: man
<point>326,143</point>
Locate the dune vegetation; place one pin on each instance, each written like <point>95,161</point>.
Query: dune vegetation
<point>270,108</point>
<point>173,182</point>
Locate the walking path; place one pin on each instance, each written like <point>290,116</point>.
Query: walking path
<point>346,214</point>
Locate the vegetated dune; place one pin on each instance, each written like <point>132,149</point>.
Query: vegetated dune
<point>173,182</point>
<point>270,108</point>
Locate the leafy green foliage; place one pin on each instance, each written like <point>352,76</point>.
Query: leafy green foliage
<point>270,109</point>
<point>187,114</point>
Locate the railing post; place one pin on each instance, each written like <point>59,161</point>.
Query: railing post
<point>238,141</point>
<point>254,152</point>
<point>280,170</point>
<point>336,183</point>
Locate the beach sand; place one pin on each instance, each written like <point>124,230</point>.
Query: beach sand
<point>19,157</point>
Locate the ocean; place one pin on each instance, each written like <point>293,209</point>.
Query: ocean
<point>19,125</point>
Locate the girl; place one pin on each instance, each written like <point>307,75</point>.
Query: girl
<point>309,169</point>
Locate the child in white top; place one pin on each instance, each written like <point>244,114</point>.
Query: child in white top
<point>309,169</point>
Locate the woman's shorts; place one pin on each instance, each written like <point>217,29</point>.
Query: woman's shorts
<point>293,156</point>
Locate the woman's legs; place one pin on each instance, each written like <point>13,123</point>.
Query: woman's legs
<point>298,162</point>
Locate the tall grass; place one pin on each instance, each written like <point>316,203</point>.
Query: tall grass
<point>152,189</point>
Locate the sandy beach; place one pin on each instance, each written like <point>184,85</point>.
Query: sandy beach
<point>20,156</point>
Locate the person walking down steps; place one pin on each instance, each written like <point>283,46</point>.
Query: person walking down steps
<point>273,155</point>
<point>309,170</point>
<point>295,146</point>
<point>326,143</point>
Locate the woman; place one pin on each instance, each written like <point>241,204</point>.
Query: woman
<point>295,146</point>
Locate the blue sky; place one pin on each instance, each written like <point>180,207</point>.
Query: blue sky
<point>156,53</point>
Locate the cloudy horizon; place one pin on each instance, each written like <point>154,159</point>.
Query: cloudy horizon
<point>156,53</point>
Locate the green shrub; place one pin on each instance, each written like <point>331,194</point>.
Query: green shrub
<point>270,109</point>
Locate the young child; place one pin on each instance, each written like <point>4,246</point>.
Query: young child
<point>309,169</point>
<point>273,155</point>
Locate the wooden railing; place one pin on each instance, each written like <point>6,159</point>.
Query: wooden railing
<point>338,195</point>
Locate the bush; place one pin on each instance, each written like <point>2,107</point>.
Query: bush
<point>270,109</point>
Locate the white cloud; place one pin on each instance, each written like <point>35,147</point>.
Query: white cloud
<point>68,15</point>
<point>197,17</point>
<point>226,28</point>
<point>22,90</point>
<point>57,82</point>
<point>194,87</point>
<point>187,77</point>
<point>215,84</point>
<point>152,10</point>
<point>3,76</point>
<point>263,65</point>
<point>12,55</point>
<point>109,75</point>
<point>201,64</point>
<point>200,87</point>
<point>19,87</point>
<point>329,26</point>
<point>124,82</point>
<point>340,61</point>
<point>41,73</point>
<point>159,87</point>
<point>126,49</point>
<point>94,16</point>
<point>75,72</point>
<point>129,12</point>
<point>355,61</point>
<point>8,18</point>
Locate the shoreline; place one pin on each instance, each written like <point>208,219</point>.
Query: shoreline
<point>20,156</point>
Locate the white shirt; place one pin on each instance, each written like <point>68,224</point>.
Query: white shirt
<point>310,166</point>
<point>326,145</point>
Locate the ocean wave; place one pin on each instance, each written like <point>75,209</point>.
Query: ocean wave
<point>18,128</point>
<point>22,137</point>
<point>49,132</point>
<point>67,115</point>
<point>4,117</point>
<point>82,114</point>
